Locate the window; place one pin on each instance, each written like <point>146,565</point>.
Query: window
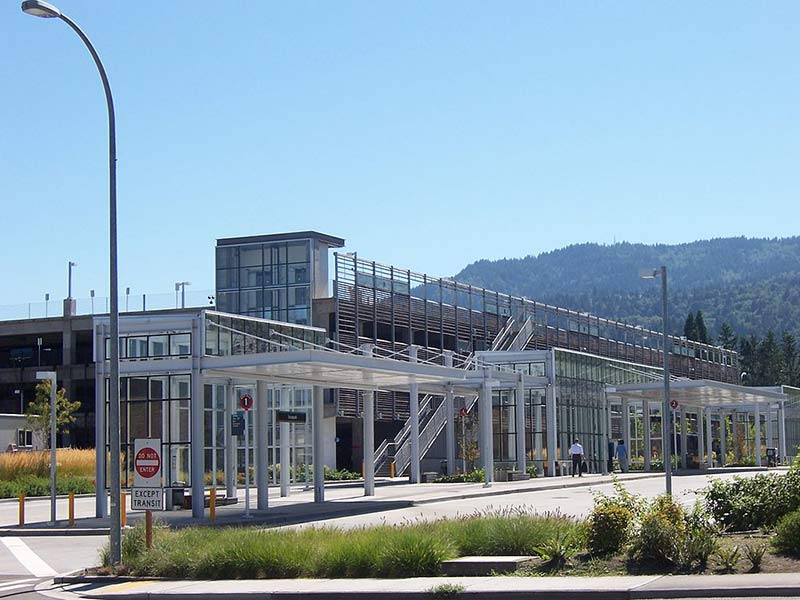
<point>24,438</point>
<point>180,344</point>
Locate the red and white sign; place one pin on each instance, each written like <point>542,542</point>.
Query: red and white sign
<point>246,401</point>
<point>147,463</point>
<point>673,404</point>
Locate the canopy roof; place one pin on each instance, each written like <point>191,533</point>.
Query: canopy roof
<point>698,393</point>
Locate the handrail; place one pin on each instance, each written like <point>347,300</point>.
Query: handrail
<point>430,431</point>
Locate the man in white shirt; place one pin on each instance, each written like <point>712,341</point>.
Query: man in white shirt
<point>576,451</point>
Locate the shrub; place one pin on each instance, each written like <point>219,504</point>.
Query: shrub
<point>446,590</point>
<point>746,503</point>
<point>608,528</point>
<point>755,554</point>
<point>787,535</point>
<point>557,551</point>
<point>661,534</point>
<point>32,485</point>
<point>728,558</point>
<point>474,476</point>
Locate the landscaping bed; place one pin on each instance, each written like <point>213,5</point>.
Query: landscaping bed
<point>624,535</point>
<point>29,473</point>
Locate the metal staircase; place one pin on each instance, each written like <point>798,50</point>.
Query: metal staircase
<point>515,335</point>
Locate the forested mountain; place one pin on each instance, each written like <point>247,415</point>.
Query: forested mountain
<point>752,284</point>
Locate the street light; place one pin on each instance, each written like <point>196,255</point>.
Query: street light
<point>181,285</point>
<point>666,411</point>
<point>37,8</point>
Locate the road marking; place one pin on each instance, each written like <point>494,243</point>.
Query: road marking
<point>8,588</point>
<point>27,557</point>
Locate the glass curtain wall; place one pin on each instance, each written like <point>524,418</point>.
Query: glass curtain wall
<point>270,280</point>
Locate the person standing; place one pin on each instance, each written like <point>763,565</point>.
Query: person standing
<point>576,452</point>
<point>622,456</point>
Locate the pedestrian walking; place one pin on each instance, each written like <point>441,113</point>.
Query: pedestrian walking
<point>622,456</point>
<point>576,451</point>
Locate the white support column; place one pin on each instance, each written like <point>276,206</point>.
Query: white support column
<point>684,432</point>
<point>369,433</point>
<point>757,440</point>
<point>318,442</point>
<point>770,433</point>
<point>283,443</point>
<point>100,496</point>
<point>646,443</point>
<point>709,440</point>
<point>735,434</point>
<point>782,432</point>
<point>485,428</point>
<point>450,424</point>
<point>231,442</point>
<point>701,438</point>
<point>626,427</point>
<point>550,416</point>
<point>723,438</point>
<point>261,430</point>
<point>519,413</point>
<point>413,392</point>
<point>605,434</point>
<point>197,425</point>
<point>537,419</point>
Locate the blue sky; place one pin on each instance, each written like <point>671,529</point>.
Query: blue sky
<point>428,134</point>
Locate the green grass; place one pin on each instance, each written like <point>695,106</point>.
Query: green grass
<point>414,550</point>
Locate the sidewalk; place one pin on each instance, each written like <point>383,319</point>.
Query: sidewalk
<point>552,588</point>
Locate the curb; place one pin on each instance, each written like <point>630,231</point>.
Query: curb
<point>63,532</point>
<point>634,593</point>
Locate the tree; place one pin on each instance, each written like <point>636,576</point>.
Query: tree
<point>727,339</point>
<point>789,375</point>
<point>701,332</point>
<point>689,329</point>
<point>37,413</point>
<point>769,359</point>
<point>747,359</point>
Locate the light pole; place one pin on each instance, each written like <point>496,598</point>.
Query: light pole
<point>46,305</point>
<point>181,285</point>
<point>69,279</point>
<point>38,8</point>
<point>666,410</point>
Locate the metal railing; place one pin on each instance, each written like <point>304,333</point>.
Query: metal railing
<point>433,427</point>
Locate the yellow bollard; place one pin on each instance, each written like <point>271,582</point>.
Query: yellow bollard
<point>21,509</point>
<point>212,505</point>
<point>71,499</point>
<point>123,513</point>
<point>391,469</point>
<point>362,469</point>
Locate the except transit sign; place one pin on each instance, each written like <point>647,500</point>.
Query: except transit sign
<point>147,499</point>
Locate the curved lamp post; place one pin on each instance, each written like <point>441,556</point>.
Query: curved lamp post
<point>48,11</point>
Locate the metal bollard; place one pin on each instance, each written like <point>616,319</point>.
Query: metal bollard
<point>212,505</point>
<point>21,509</point>
<point>391,469</point>
<point>71,500</point>
<point>123,513</point>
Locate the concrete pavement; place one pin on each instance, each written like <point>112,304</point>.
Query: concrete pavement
<point>551,588</point>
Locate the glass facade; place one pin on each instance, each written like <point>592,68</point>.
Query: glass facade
<point>266,280</point>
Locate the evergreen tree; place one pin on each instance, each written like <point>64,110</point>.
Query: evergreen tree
<point>789,375</point>
<point>701,332</point>
<point>689,329</point>
<point>747,359</point>
<point>769,357</point>
<point>727,339</point>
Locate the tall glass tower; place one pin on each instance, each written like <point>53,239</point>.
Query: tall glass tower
<point>276,276</point>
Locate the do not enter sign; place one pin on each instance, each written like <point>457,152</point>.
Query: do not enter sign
<point>246,401</point>
<point>147,463</point>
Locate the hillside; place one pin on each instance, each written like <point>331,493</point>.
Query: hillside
<point>752,284</point>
